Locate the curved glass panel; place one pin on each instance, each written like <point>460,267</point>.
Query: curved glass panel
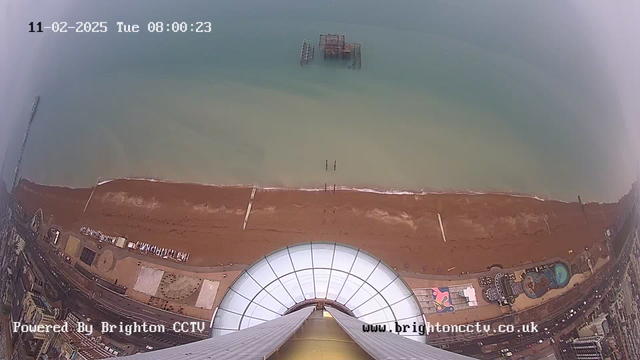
<point>367,287</point>
<point>280,262</point>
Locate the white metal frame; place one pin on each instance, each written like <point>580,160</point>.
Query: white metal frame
<point>369,289</point>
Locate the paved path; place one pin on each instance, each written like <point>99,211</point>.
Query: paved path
<point>101,302</point>
<point>124,253</point>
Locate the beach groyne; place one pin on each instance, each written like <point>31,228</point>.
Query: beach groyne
<point>208,222</point>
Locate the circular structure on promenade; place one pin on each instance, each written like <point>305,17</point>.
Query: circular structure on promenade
<point>326,273</point>
<point>536,284</point>
<point>178,287</point>
<point>105,261</point>
<point>562,274</point>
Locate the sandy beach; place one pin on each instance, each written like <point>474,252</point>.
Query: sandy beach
<point>402,230</point>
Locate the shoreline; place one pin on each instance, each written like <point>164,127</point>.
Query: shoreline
<point>402,229</point>
<point>372,190</point>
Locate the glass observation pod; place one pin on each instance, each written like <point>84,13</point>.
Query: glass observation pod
<point>341,276</point>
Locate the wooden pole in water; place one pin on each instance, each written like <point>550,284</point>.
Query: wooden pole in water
<point>326,164</point>
<point>334,164</point>
<point>325,187</point>
<point>334,188</point>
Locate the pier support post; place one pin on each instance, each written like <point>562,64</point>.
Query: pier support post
<point>34,107</point>
<point>334,164</point>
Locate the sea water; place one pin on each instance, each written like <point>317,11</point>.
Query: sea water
<point>452,96</point>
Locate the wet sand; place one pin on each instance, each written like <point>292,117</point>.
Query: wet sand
<point>402,230</point>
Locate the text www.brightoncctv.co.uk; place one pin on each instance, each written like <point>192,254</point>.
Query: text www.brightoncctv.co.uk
<point>428,328</point>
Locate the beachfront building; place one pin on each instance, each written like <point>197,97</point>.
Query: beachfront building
<point>329,274</point>
<point>37,311</point>
<point>589,348</point>
<point>315,298</point>
<point>36,221</point>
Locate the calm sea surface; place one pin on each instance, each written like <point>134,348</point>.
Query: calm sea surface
<point>460,95</point>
